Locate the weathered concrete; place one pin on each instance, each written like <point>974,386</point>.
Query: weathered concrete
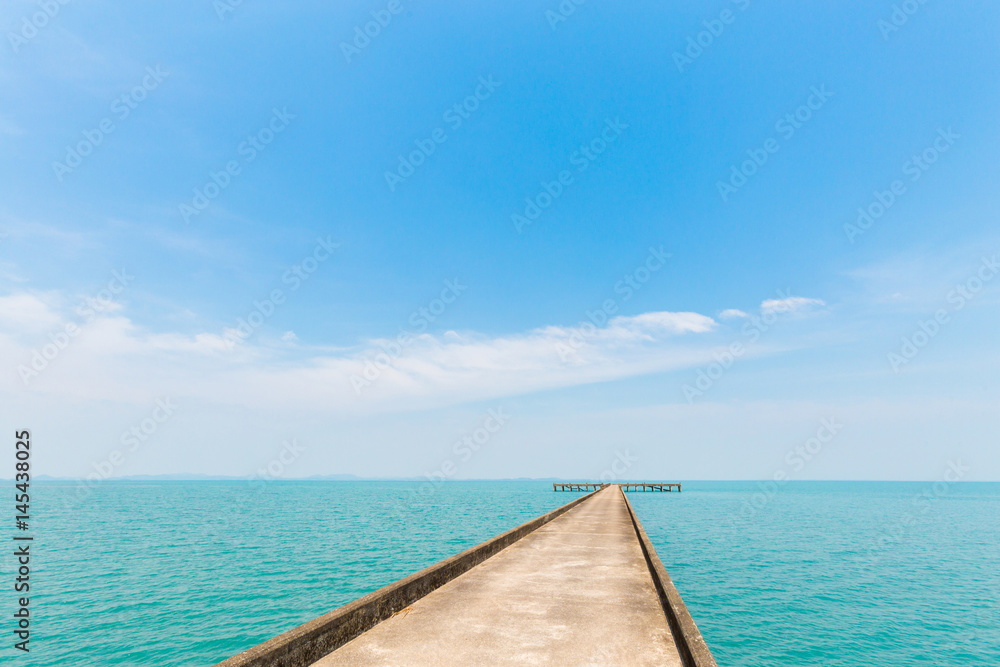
<point>626,486</point>
<point>693,649</point>
<point>576,591</point>
<point>579,585</point>
<point>579,486</point>
<point>310,641</point>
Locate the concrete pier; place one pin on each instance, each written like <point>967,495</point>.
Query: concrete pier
<point>626,486</point>
<point>579,486</point>
<point>650,486</point>
<point>583,587</point>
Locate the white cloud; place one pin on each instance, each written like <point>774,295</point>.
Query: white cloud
<point>916,281</point>
<point>788,304</point>
<point>112,358</point>
<point>731,313</point>
<point>9,127</point>
<point>26,312</point>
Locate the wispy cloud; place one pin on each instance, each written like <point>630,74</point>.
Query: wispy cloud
<point>28,312</point>
<point>112,358</point>
<point>9,127</point>
<point>918,279</point>
<point>18,229</point>
<point>788,305</point>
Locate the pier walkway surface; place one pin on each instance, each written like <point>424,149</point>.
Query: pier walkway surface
<point>581,585</point>
<point>576,591</point>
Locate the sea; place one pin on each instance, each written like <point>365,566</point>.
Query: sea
<point>809,573</point>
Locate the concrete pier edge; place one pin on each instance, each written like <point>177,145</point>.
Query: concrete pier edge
<point>691,645</point>
<point>304,645</point>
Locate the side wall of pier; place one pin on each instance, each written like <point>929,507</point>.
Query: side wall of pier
<point>304,645</point>
<point>693,649</point>
<point>308,643</point>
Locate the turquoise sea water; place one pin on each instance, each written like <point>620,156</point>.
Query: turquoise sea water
<point>189,573</point>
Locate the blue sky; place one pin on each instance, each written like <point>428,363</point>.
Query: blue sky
<point>309,129</point>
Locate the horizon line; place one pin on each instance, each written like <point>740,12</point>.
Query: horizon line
<point>198,477</point>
